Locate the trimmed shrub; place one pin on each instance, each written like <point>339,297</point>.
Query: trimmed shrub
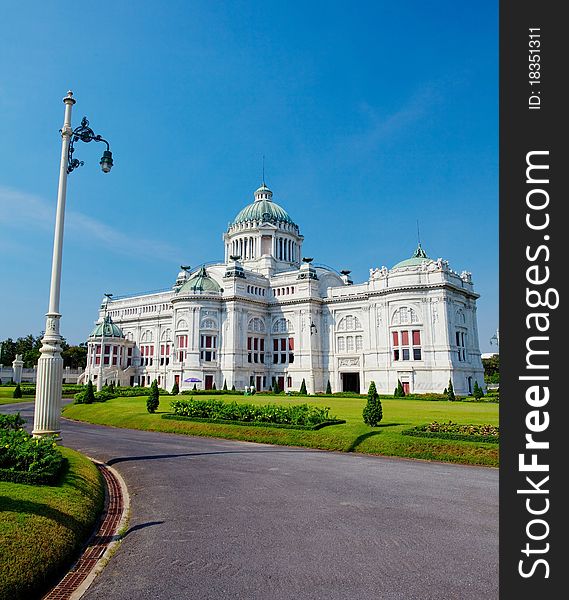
<point>450,393</point>
<point>303,388</point>
<point>213,386</point>
<point>25,459</point>
<point>17,393</point>
<point>225,385</point>
<point>276,389</point>
<point>478,391</point>
<point>90,393</point>
<point>328,388</point>
<point>399,391</point>
<point>154,398</point>
<point>175,389</point>
<point>233,388</point>
<point>373,411</point>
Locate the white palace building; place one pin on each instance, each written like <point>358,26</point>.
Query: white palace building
<point>266,313</point>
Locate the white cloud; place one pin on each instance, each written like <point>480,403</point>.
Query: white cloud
<point>20,209</point>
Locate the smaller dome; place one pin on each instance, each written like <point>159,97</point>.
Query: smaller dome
<point>107,329</point>
<point>182,277</point>
<point>200,282</point>
<point>419,257</point>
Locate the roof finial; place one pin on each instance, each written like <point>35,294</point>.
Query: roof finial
<point>418,234</point>
<point>264,169</point>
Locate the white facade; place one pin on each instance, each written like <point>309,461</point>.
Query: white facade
<point>265,314</point>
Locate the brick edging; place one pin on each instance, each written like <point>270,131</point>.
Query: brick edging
<point>94,555</point>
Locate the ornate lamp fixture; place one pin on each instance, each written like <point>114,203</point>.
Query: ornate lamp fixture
<point>86,134</point>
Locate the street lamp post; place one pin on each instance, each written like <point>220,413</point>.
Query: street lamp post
<point>102,359</point>
<point>50,363</point>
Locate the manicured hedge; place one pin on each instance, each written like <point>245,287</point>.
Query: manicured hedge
<point>213,393</point>
<point>454,431</point>
<point>101,396</point>
<point>302,414</point>
<point>254,423</point>
<point>109,393</point>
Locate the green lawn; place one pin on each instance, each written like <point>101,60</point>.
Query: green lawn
<point>353,436</point>
<point>6,396</point>
<point>43,527</point>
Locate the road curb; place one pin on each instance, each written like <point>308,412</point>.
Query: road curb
<point>102,543</point>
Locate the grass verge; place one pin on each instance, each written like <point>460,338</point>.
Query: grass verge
<point>42,528</point>
<point>353,436</point>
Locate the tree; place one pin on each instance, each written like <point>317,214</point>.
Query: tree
<point>225,385</point>
<point>399,391</point>
<point>90,395</point>
<point>276,389</point>
<point>75,356</point>
<point>478,391</point>
<point>17,393</point>
<point>328,388</point>
<point>154,398</point>
<point>450,393</point>
<point>303,388</point>
<point>175,389</point>
<point>373,411</point>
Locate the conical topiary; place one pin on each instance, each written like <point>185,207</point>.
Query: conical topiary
<point>17,393</point>
<point>373,411</point>
<point>478,391</point>
<point>303,388</point>
<point>175,389</point>
<point>90,395</point>
<point>154,398</point>
<point>450,393</point>
<point>328,388</point>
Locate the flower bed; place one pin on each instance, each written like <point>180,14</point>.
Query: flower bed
<point>454,431</point>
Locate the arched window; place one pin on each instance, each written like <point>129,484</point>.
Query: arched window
<point>349,323</point>
<point>256,325</point>
<point>208,324</point>
<point>460,317</point>
<point>405,315</point>
<point>182,324</point>
<point>282,326</point>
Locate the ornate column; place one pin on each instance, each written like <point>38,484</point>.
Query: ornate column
<point>17,366</point>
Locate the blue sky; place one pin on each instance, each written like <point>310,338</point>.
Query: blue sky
<point>371,116</point>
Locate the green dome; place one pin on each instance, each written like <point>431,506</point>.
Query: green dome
<point>107,329</point>
<point>419,257</point>
<point>200,282</point>
<point>263,209</point>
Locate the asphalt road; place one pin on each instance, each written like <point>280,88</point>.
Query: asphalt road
<point>216,519</point>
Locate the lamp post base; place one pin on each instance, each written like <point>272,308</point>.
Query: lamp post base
<point>49,382</point>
